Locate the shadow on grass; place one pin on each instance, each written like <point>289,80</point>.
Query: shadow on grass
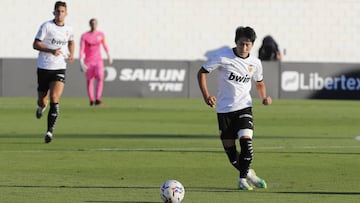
<point>306,152</point>
<point>192,189</point>
<point>121,201</point>
<point>321,193</point>
<point>115,136</point>
<point>155,136</point>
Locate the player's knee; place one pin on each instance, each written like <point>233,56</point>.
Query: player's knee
<point>245,134</point>
<point>42,99</point>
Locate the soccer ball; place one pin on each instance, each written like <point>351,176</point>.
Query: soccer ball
<point>172,191</point>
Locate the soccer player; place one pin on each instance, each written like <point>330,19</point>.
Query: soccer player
<point>269,50</point>
<point>55,43</point>
<point>236,67</point>
<point>91,61</point>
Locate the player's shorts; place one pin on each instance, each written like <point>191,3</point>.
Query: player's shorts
<point>230,123</point>
<point>45,77</point>
<point>95,70</point>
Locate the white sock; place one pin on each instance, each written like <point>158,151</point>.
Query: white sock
<point>249,174</point>
<point>241,180</point>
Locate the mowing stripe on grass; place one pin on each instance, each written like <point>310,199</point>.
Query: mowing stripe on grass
<point>212,150</point>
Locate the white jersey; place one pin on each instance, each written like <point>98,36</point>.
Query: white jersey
<point>54,37</point>
<point>234,79</point>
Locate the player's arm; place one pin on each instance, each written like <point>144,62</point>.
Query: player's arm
<point>209,99</point>
<point>83,66</point>
<point>106,48</point>
<point>82,48</point>
<point>261,90</point>
<point>71,47</point>
<point>38,45</point>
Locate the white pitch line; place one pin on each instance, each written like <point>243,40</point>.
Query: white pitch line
<point>176,149</point>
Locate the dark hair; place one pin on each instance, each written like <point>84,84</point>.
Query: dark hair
<point>91,20</point>
<point>269,49</point>
<point>247,32</point>
<point>59,3</point>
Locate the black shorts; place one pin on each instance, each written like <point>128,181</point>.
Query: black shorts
<point>230,123</point>
<point>45,77</point>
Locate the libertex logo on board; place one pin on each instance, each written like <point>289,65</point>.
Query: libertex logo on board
<point>292,81</point>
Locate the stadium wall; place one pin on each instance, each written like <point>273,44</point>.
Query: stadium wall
<point>306,30</point>
<point>177,79</point>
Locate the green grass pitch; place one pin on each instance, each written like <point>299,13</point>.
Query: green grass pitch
<point>306,150</point>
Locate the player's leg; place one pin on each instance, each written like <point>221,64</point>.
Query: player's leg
<point>90,78</point>
<point>245,135</point>
<point>231,152</point>
<point>227,139</point>
<point>243,125</point>
<point>244,121</point>
<point>90,90</point>
<point>100,83</point>
<point>228,135</point>
<point>244,160</point>
<point>246,157</point>
<point>56,90</point>
<point>246,152</point>
<point>43,87</point>
<point>42,103</point>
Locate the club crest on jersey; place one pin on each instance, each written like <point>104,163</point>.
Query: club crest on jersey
<point>239,78</point>
<point>250,69</point>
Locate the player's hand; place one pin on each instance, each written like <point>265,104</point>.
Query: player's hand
<point>56,52</point>
<point>267,100</point>
<point>70,58</point>
<point>83,66</point>
<point>110,61</point>
<point>211,101</point>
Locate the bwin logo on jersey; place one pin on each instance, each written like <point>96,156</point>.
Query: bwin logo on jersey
<point>237,78</point>
<point>58,42</point>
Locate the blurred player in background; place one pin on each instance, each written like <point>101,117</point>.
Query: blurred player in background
<point>269,50</point>
<point>55,43</point>
<point>91,61</point>
<point>236,67</point>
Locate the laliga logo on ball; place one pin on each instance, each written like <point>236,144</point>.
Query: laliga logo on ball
<point>172,191</point>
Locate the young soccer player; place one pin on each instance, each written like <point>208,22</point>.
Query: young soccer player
<point>236,67</point>
<point>55,43</point>
<point>91,61</point>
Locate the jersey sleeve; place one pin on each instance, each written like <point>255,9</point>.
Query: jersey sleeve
<point>71,35</point>
<point>258,74</point>
<point>82,47</point>
<point>103,42</point>
<point>212,64</point>
<point>40,35</point>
